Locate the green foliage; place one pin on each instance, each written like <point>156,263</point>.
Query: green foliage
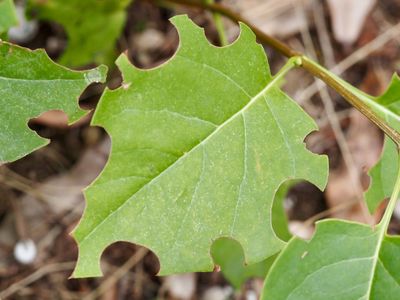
<point>279,218</point>
<point>8,17</point>
<point>391,99</point>
<point>383,176</point>
<point>200,146</point>
<point>228,254</point>
<point>30,84</point>
<point>343,261</point>
<point>92,27</point>
<point>203,150</point>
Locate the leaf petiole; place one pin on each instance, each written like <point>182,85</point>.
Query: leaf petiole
<point>291,63</point>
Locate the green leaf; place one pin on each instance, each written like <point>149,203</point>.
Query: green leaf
<point>229,255</point>
<point>279,217</point>
<point>343,260</point>
<point>30,84</point>
<point>383,176</point>
<point>200,145</point>
<point>8,17</point>
<point>92,27</point>
<point>391,97</point>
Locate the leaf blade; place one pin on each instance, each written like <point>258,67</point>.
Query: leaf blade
<point>175,186</point>
<point>35,86</point>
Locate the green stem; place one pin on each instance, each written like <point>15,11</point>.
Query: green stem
<point>312,67</point>
<point>219,26</point>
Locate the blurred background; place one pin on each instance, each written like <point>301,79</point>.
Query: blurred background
<point>40,195</point>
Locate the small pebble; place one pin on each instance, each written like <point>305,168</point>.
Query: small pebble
<point>25,251</point>
<point>251,295</point>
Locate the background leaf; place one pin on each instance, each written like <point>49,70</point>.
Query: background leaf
<point>8,17</point>
<point>343,261</point>
<point>198,153</point>
<point>92,27</point>
<point>383,174</point>
<point>229,255</point>
<point>30,84</point>
<point>390,98</point>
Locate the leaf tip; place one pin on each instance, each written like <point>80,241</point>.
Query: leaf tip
<point>247,31</point>
<point>88,261</point>
<point>188,31</point>
<point>125,66</point>
<point>181,21</point>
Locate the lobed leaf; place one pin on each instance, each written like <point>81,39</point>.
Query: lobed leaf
<point>30,84</point>
<point>92,27</point>
<point>200,145</point>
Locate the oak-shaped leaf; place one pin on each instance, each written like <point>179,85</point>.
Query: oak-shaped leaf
<point>30,84</point>
<point>200,145</point>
